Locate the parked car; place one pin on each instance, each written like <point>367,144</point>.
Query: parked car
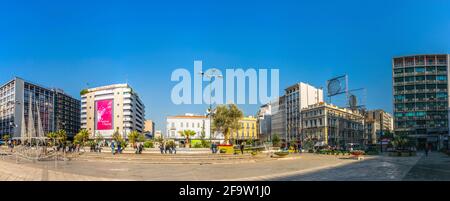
<point>2,142</point>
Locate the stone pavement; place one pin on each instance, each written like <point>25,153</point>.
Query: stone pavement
<point>435,167</point>
<point>309,167</point>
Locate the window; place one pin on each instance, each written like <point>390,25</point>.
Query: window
<point>441,95</point>
<point>181,124</point>
<point>431,77</point>
<point>441,78</point>
<point>420,69</point>
<point>398,79</point>
<point>409,79</point>
<point>409,70</point>
<point>398,71</point>
<point>419,78</point>
<point>409,87</point>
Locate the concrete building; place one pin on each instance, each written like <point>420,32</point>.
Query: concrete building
<point>158,134</point>
<point>51,109</point>
<point>247,131</point>
<point>278,118</point>
<point>332,125</point>
<point>198,123</point>
<point>149,128</point>
<point>67,113</point>
<point>265,122</point>
<point>299,96</point>
<point>112,108</point>
<point>377,122</point>
<point>421,103</point>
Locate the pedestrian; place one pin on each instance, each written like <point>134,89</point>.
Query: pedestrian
<point>119,147</point>
<point>174,147</point>
<point>161,147</point>
<point>427,149</point>
<point>242,148</point>
<point>113,148</point>
<point>299,147</point>
<point>295,148</point>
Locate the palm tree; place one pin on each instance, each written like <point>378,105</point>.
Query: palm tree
<point>133,137</point>
<point>81,138</point>
<point>226,119</point>
<point>187,134</point>
<point>61,136</point>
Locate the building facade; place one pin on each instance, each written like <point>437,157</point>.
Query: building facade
<point>109,109</point>
<point>265,122</point>
<point>47,109</point>
<point>247,131</point>
<point>149,128</point>
<point>278,118</point>
<point>377,122</point>
<point>197,123</point>
<point>329,124</point>
<point>67,113</point>
<point>421,103</point>
<point>299,96</point>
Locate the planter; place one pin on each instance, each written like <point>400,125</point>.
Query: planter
<point>226,149</point>
<point>282,153</point>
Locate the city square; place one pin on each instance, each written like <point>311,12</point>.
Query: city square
<point>209,167</point>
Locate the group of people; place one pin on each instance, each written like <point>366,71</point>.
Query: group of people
<point>115,145</point>
<point>165,147</point>
<point>139,147</point>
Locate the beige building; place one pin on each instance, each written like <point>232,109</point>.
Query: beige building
<point>247,131</point>
<point>149,127</point>
<point>374,120</point>
<point>332,125</point>
<point>111,108</point>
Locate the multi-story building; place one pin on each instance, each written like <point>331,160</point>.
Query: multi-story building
<point>332,125</point>
<point>299,96</point>
<point>109,109</point>
<point>149,128</point>
<point>278,118</point>
<point>197,123</point>
<point>50,110</point>
<point>377,122</point>
<point>265,122</point>
<point>158,134</point>
<point>421,103</point>
<point>247,131</point>
<point>67,113</point>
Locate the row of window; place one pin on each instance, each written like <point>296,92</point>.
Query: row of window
<point>420,78</point>
<point>421,69</point>
<point>439,96</point>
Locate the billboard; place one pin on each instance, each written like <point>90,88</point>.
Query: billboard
<point>337,85</point>
<point>104,113</point>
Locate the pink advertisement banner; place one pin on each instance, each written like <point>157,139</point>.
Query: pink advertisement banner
<point>104,115</point>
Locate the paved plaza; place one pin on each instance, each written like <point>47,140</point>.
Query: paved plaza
<point>296,167</point>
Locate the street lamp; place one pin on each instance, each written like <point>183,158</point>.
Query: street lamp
<point>210,74</point>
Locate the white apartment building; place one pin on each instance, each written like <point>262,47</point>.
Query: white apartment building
<point>298,97</point>
<point>111,108</point>
<point>197,123</point>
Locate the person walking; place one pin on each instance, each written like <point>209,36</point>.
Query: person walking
<point>427,148</point>
<point>161,147</point>
<point>113,148</point>
<point>242,148</point>
<point>174,147</point>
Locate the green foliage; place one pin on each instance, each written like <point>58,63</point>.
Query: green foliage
<point>159,139</point>
<point>6,137</point>
<point>60,136</point>
<point>135,136</point>
<point>99,138</point>
<point>149,144</point>
<point>276,140</point>
<point>81,137</point>
<point>226,119</point>
<point>83,92</point>
<point>187,135</point>
<point>308,144</point>
<point>401,142</point>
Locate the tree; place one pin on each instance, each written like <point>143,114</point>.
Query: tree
<point>133,137</point>
<point>6,137</point>
<point>61,136</point>
<point>81,138</point>
<point>99,138</point>
<point>187,135</point>
<point>276,140</point>
<point>204,143</point>
<point>226,119</point>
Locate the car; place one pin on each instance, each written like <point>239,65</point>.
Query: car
<point>2,142</point>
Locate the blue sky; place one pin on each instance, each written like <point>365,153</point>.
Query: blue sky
<point>67,44</point>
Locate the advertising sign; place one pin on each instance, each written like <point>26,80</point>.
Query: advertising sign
<point>104,109</point>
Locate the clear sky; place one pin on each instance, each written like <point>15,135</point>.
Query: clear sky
<point>67,44</point>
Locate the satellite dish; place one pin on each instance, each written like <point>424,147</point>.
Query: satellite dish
<point>352,101</point>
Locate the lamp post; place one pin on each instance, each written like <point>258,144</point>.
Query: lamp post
<point>210,74</point>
